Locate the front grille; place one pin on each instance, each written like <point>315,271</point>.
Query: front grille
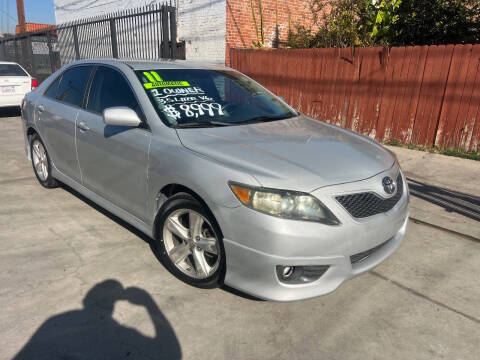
<point>362,205</point>
<point>365,254</point>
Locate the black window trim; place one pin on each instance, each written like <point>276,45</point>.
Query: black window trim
<point>61,77</point>
<point>144,123</point>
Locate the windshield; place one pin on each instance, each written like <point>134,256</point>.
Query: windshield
<point>11,70</point>
<point>195,97</point>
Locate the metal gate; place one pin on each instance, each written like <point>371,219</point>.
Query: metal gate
<point>145,33</point>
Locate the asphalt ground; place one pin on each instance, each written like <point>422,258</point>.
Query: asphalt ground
<point>75,276</point>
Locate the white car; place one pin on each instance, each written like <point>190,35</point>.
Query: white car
<point>15,82</point>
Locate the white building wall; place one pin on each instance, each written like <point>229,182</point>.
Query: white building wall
<point>70,10</point>
<point>201,23</point>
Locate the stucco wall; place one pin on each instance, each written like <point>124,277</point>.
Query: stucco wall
<point>69,10</point>
<point>202,24</point>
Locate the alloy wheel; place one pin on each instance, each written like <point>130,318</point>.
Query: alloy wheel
<point>40,160</point>
<point>191,243</point>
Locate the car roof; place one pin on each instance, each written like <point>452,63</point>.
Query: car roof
<point>150,64</point>
<point>8,63</point>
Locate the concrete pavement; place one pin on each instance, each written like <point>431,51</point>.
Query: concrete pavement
<point>445,190</point>
<point>58,251</point>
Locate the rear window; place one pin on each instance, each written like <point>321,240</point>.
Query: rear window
<point>11,70</point>
<point>72,86</point>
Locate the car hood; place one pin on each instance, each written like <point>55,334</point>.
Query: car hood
<point>298,153</point>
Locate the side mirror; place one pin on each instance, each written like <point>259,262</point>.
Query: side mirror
<point>121,116</point>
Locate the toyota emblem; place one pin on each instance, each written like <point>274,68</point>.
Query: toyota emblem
<point>389,185</point>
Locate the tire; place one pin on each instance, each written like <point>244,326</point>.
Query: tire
<point>41,163</point>
<point>184,209</point>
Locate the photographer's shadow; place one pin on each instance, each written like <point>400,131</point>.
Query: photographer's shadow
<point>92,333</point>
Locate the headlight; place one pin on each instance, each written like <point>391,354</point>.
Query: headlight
<point>284,204</point>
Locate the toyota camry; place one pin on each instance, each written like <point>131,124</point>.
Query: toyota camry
<point>233,185</point>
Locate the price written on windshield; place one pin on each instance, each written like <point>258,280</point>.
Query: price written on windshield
<point>194,110</point>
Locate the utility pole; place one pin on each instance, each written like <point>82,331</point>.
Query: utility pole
<point>21,16</point>
<point>8,18</point>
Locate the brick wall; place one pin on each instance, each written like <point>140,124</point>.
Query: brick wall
<point>201,23</point>
<point>241,29</point>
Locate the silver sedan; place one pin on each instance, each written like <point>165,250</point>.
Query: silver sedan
<point>232,184</point>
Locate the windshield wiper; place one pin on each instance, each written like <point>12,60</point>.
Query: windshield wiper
<point>256,119</point>
<point>201,124</point>
<point>265,118</point>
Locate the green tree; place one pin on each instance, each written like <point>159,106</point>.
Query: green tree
<point>344,23</point>
<point>340,23</point>
<point>428,22</point>
<point>383,28</point>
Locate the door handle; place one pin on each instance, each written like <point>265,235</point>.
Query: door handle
<point>82,125</point>
<point>40,109</point>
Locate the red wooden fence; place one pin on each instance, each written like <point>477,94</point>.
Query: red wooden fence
<point>425,95</point>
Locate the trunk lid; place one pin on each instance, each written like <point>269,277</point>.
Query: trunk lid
<point>14,85</point>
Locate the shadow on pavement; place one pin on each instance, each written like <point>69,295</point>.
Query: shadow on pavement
<point>452,201</point>
<point>92,333</point>
<point>10,112</point>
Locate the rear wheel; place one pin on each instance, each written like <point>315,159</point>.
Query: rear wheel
<point>190,242</point>
<point>41,162</point>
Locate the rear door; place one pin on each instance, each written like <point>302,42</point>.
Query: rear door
<point>56,113</point>
<point>14,84</point>
<point>113,159</point>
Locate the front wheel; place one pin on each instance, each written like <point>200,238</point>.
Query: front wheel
<point>190,242</point>
<point>41,163</point>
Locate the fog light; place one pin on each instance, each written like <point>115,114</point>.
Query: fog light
<point>287,271</point>
<point>300,274</point>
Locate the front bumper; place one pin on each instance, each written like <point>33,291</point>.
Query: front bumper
<point>256,243</point>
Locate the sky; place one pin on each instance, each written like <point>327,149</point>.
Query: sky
<point>39,11</point>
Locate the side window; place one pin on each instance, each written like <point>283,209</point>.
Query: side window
<point>110,89</point>
<point>52,89</point>
<point>72,85</point>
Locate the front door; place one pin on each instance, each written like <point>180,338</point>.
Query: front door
<point>113,159</point>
